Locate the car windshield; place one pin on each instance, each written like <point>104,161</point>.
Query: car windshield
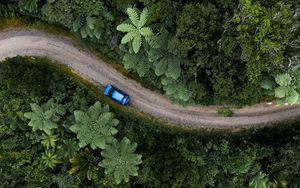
<point>111,91</point>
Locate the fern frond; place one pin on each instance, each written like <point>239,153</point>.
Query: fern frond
<point>155,54</point>
<point>107,15</point>
<point>170,89</point>
<point>161,67</point>
<point>174,68</point>
<point>136,43</point>
<point>124,27</point>
<point>142,68</point>
<point>183,93</point>
<point>78,23</point>
<point>89,31</point>
<point>83,32</point>
<point>146,32</point>
<point>128,37</point>
<point>143,18</point>
<point>129,61</point>
<point>166,81</point>
<point>28,5</point>
<point>91,22</point>
<point>97,33</point>
<point>133,16</point>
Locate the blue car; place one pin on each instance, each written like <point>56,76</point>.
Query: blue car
<point>116,94</point>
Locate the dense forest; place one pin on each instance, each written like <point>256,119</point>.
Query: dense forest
<point>210,52</point>
<point>56,131</point>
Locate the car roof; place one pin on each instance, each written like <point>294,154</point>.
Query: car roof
<point>117,95</point>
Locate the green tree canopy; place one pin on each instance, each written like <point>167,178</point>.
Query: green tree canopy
<point>264,34</point>
<point>95,127</point>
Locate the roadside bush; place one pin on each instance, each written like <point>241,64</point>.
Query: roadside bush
<point>225,111</point>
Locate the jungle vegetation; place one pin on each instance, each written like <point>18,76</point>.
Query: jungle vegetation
<point>208,52</point>
<point>56,131</point>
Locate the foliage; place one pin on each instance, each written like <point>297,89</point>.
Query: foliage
<point>58,12</point>
<point>42,118</point>
<point>84,164</point>
<point>136,29</point>
<point>33,158</point>
<point>87,8</point>
<point>8,9</point>
<point>263,35</point>
<point>197,26</point>
<point>175,90</point>
<point>65,181</point>
<point>50,159</point>
<point>29,5</point>
<point>286,87</point>
<point>225,111</point>
<point>203,159</point>
<point>89,26</point>
<point>49,140</point>
<point>120,160</point>
<point>68,149</point>
<point>96,127</point>
<point>136,62</point>
<point>222,60</point>
<point>260,181</point>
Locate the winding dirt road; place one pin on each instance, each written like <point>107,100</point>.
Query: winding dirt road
<point>36,43</point>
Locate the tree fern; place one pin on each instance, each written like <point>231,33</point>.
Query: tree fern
<point>49,140</point>
<point>177,91</point>
<point>50,159</point>
<point>90,21</point>
<point>164,62</point>
<point>88,26</point>
<point>95,127</point>
<point>42,118</point>
<point>160,68</point>
<point>136,62</point>
<point>174,68</point>
<point>120,160</point>
<point>136,30</point>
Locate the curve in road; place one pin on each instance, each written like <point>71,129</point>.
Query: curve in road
<point>22,42</point>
